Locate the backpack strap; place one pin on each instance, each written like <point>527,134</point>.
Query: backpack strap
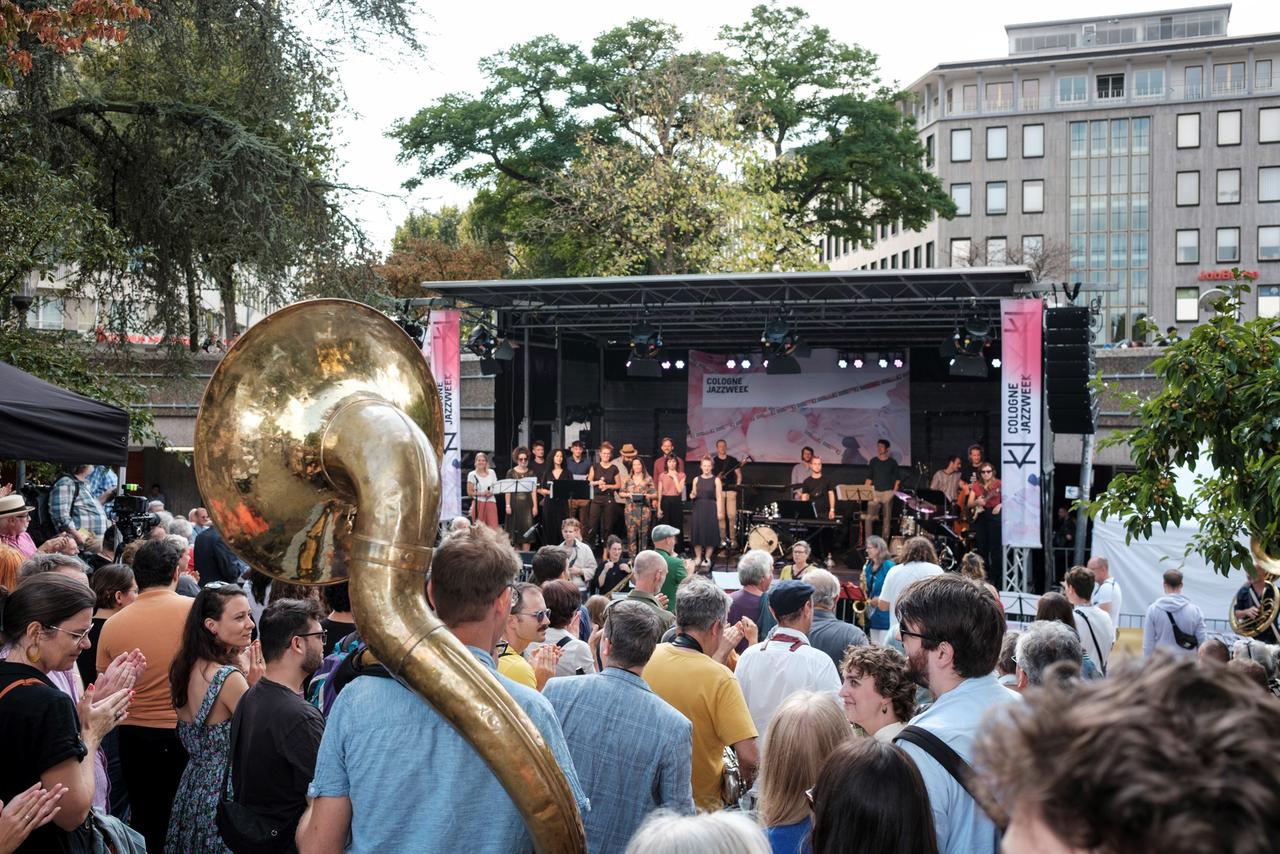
<point>1102,664</point>
<point>18,684</point>
<point>564,641</point>
<point>953,763</point>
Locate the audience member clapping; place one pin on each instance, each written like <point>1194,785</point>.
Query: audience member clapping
<point>871,799</point>
<point>1169,758</point>
<point>805,730</point>
<point>878,693</point>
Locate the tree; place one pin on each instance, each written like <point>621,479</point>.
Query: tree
<point>62,28</point>
<point>1217,400</point>
<point>420,259</point>
<point>556,121</point>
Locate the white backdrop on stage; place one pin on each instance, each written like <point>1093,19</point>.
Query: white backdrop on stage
<point>841,413</point>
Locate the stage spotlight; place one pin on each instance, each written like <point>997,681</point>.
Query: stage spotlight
<point>858,361</point>
<point>746,363</point>
<point>628,363</point>
<point>898,361</point>
<point>646,341</point>
<point>731,363</point>
<point>666,364</point>
<point>766,363</point>
<point>842,362</point>
<point>679,364</point>
<point>995,363</point>
<point>482,341</point>
<point>779,338</point>
<point>883,362</point>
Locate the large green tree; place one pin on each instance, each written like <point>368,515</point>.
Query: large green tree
<point>840,156</point>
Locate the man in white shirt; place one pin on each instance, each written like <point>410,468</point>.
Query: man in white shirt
<point>1106,593</point>
<point>1097,632</point>
<point>771,671</point>
<point>801,470</point>
<point>919,560</point>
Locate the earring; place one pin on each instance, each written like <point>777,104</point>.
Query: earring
<point>33,654</point>
<point>884,709</point>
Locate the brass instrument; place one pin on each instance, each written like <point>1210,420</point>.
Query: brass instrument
<point>317,451</point>
<point>1268,607</point>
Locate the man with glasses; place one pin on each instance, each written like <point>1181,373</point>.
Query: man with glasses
<point>952,630</point>
<point>985,506</point>
<point>275,732</point>
<point>527,624</point>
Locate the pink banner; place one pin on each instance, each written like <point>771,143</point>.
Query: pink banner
<point>1021,407</point>
<point>444,354</point>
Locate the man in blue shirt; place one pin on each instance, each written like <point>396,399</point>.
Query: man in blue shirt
<point>952,630</point>
<point>632,750</point>
<point>392,774</point>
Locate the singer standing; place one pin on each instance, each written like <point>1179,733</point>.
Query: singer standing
<point>522,507</point>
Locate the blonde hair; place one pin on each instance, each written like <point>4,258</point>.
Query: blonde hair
<point>804,731</point>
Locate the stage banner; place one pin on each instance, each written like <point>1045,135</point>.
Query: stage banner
<point>444,354</point>
<point>840,413</point>
<point>1021,405</point>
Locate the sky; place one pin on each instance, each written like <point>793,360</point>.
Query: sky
<point>909,36</point>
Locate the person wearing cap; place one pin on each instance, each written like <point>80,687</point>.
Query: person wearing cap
<point>15,516</point>
<point>664,541</point>
<point>771,671</point>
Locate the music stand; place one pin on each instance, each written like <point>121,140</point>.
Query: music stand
<point>571,489</point>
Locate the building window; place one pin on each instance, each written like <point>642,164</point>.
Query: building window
<point>1269,124</point>
<point>1033,196</point>
<point>928,150</point>
<point>1193,81</point>
<point>1262,74</point>
<point>997,251</point>
<point>1072,89</point>
<point>1148,83</point>
<point>997,197</point>
<point>962,145</point>
<point>1188,130</point>
<point>893,262</point>
<point>1188,192</point>
<point>960,251</point>
<point>1228,186</point>
<point>1269,243</point>
<point>1228,77</point>
<point>928,255</point>
<point>969,98</point>
<point>1269,301</point>
<point>1031,94</point>
<point>47,312</point>
<point>915,257</point>
<point>1228,245</point>
<point>999,97</point>
<point>906,259</point>
<point>1032,249</point>
<point>884,231</point>
<point>1186,305</point>
<point>1033,140</point>
<point>1110,86</point>
<point>1269,184</point>
<point>1229,127</point>
<point>997,143</point>
<point>1188,241</point>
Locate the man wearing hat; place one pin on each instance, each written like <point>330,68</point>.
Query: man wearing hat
<point>664,541</point>
<point>785,663</point>
<point>15,516</point>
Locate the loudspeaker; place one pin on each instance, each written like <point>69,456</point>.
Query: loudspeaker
<point>1068,367</point>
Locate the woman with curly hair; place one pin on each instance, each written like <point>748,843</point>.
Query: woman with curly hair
<point>878,695</point>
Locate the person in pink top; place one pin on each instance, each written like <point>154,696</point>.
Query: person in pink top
<point>15,516</point>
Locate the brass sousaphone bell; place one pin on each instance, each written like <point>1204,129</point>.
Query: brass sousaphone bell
<point>317,451</point>
<point>1268,606</point>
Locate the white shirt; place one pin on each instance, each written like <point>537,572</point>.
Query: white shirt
<point>482,482</point>
<point>582,562</point>
<point>1109,591</point>
<point>1091,616</point>
<point>770,672</point>
<point>574,655</point>
<point>897,580</point>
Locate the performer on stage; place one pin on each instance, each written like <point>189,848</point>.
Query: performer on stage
<point>579,466</point>
<point>522,507</point>
<point>728,471</point>
<point>970,472</point>
<point>1249,600</point>
<point>539,464</point>
<point>671,495</point>
<point>947,481</point>
<point>639,492</point>
<point>480,483</point>
<point>822,492</point>
<point>668,453</point>
<point>800,470</point>
<point>884,482</point>
<point>705,494</point>
<point>603,511</point>
<point>554,508</point>
<point>986,522</point>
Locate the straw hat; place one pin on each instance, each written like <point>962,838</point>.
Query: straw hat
<point>12,505</point>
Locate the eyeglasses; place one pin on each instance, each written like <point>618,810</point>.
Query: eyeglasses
<point>923,638</point>
<point>318,634</point>
<point>79,636</point>
<point>544,614</point>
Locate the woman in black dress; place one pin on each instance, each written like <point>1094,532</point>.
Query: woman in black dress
<point>554,508</point>
<point>522,507</point>
<point>705,533</point>
<point>671,496</point>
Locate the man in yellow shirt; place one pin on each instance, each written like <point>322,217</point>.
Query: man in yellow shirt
<point>527,623</point>
<point>684,674</point>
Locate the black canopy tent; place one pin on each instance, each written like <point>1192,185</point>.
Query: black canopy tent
<point>44,422</point>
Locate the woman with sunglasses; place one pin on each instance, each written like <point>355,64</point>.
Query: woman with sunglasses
<point>213,669</point>
<point>522,507</point>
<point>50,739</point>
<point>986,509</point>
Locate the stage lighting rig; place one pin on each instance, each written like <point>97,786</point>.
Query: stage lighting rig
<point>859,362</point>
<point>731,363</point>
<point>899,360</point>
<point>779,338</point>
<point>883,361</point>
<point>646,341</point>
<point>842,361</point>
<point>491,352</point>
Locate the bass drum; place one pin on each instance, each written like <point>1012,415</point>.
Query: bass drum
<point>764,538</point>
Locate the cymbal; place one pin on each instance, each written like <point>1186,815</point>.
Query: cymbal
<point>946,517</point>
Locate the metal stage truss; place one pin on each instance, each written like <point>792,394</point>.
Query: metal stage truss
<point>841,309</point>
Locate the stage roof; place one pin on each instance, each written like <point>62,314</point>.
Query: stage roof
<point>727,311</point>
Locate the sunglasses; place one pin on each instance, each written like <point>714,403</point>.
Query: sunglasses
<point>544,614</point>
<point>987,471</point>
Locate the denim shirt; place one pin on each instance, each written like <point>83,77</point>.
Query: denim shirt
<point>414,783</point>
<point>955,717</point>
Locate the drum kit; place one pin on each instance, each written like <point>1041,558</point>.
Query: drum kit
<point>920,518</point>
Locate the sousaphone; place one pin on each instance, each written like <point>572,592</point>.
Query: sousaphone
<point>317,451</point>
<point>1268,606</point>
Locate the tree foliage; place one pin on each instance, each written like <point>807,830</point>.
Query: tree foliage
<point>62,28</point>
<point>1218,400</point>
<point>783,110</point>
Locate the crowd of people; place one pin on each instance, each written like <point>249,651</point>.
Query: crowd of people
<point>250,716</point>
